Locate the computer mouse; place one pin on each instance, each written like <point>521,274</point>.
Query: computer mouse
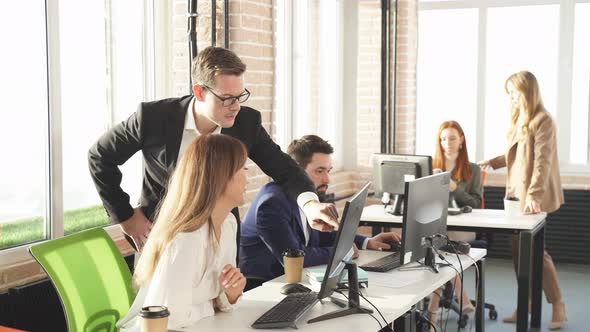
<point>395,246</point>
<point>294,288</point>
<point>466,209</point>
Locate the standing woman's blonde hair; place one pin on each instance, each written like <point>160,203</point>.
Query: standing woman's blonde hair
<point>199,180</point>
<point>526,83</point>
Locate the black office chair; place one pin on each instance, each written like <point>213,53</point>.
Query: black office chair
<point>448,300</point>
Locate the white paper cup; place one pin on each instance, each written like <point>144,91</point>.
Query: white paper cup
<point>512,208</point>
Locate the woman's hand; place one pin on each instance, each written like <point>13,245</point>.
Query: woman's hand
<point>452,186</point>
<point>232,282</point>
<point>532,207</point>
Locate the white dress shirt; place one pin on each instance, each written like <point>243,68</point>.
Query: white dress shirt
<point>305,226</point>
<point>190,131</point>
<point>186,278</point>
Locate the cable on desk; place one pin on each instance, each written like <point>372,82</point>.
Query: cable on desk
<point>441,256</point>
<point>370,314</point>
<point>461,296</point>
<point>460,276</point>
<point>364,298</point>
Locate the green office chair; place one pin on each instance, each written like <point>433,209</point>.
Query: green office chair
<point>91,278</point>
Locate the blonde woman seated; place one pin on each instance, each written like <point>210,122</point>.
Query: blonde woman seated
<point>465,189</point>
<point>188,261</point>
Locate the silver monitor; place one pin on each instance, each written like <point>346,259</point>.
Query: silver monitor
<point>392,171</point>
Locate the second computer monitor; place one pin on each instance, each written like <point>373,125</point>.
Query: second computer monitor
<point>391,171</point>
<point>342,251</point>
<point>425,215</point>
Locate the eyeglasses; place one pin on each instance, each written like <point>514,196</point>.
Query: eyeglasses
<point>228,101</point>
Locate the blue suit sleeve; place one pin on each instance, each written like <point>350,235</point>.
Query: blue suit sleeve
<point>327,239</point>
<point>358,240</point>
<point>275,223</point>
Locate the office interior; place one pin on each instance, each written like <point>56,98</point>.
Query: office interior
<point>369,76</point>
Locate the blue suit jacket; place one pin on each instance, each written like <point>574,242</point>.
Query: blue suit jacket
<point>273,224</point>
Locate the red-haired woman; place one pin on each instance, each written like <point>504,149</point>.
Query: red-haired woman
<point>465,189</point>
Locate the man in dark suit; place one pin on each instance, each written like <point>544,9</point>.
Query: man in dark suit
<point>274,222</point>
<point>163,129</point>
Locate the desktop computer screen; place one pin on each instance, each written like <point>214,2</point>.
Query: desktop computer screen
<point>342,250</point>
<point>391,171</point>
<point>294,306</point>
<point>425,215</point>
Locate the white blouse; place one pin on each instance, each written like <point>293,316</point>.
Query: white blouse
<point>186,279</point>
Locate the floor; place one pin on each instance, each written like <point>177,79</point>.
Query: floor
<point>501,291</point>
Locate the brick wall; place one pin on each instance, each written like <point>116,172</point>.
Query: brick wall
<point>369,81</point>
<point>251,37</point>
<point>406,55</point>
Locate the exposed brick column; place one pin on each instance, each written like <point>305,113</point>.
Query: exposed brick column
<point>407,57</point>
<point>251,37</point>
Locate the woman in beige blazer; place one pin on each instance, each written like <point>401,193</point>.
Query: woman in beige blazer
<point>532,171</point>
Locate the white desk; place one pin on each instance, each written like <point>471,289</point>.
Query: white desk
<point>392,302</point>
<point>531,230</point>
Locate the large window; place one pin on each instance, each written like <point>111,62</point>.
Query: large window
<point>444,91</point>
<point>75,69</point>
<point>468,49</point>
<point>328,75</point>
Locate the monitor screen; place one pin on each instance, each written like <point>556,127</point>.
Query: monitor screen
<point>391,171</point>
<point>342,251</point>
<point>426,201</point>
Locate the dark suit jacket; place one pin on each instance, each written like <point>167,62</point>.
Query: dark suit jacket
<point>156,130</point>
<point>273,224</point>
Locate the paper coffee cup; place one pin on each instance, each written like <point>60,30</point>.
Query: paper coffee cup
<point>512,207</point>
<point>154,319</point>
<point>293,264</point>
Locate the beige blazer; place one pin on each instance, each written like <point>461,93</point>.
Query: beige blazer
<point>532,164</point>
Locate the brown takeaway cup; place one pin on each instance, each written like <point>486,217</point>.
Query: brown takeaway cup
<point>293,263</point>
<point>154,319</point>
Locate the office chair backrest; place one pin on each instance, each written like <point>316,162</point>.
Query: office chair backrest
<point>91,278</point>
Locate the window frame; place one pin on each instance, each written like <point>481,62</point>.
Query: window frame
<point>564,69</point>
<point>154,51</point>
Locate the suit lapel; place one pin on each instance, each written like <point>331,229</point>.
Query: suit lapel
<point>174,128</point>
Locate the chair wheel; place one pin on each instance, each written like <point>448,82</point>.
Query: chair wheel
<point>493,315</point>
<point>463,321</point>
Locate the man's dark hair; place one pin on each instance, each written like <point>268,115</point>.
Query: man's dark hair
<point>303,149</point>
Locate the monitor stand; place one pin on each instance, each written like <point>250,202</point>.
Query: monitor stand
<point>353,306</point>
<point>430,261</point>
<point>397,207</point>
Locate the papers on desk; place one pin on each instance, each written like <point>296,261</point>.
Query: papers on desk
<point>316,276</point>
<point>398,279</point>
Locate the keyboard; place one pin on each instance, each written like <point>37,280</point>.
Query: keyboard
<point>287,312</point>
<point>383,264</point>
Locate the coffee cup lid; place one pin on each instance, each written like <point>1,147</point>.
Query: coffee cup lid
<point>292,252</point>
<point>154,311</point>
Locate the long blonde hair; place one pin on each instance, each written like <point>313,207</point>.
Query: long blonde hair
<point>526,83</point>
<point>199,180</point>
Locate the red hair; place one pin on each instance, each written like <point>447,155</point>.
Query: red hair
<point>462,171</point>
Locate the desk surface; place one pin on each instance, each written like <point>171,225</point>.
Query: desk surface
<point>393,301</point>
<point>484,218</point>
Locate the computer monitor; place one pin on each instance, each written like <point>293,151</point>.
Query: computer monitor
<point>341,258</point>
<point>425,217</point>
<point>391,171</point>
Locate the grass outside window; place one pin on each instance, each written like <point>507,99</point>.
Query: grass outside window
<point>27,230</point>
